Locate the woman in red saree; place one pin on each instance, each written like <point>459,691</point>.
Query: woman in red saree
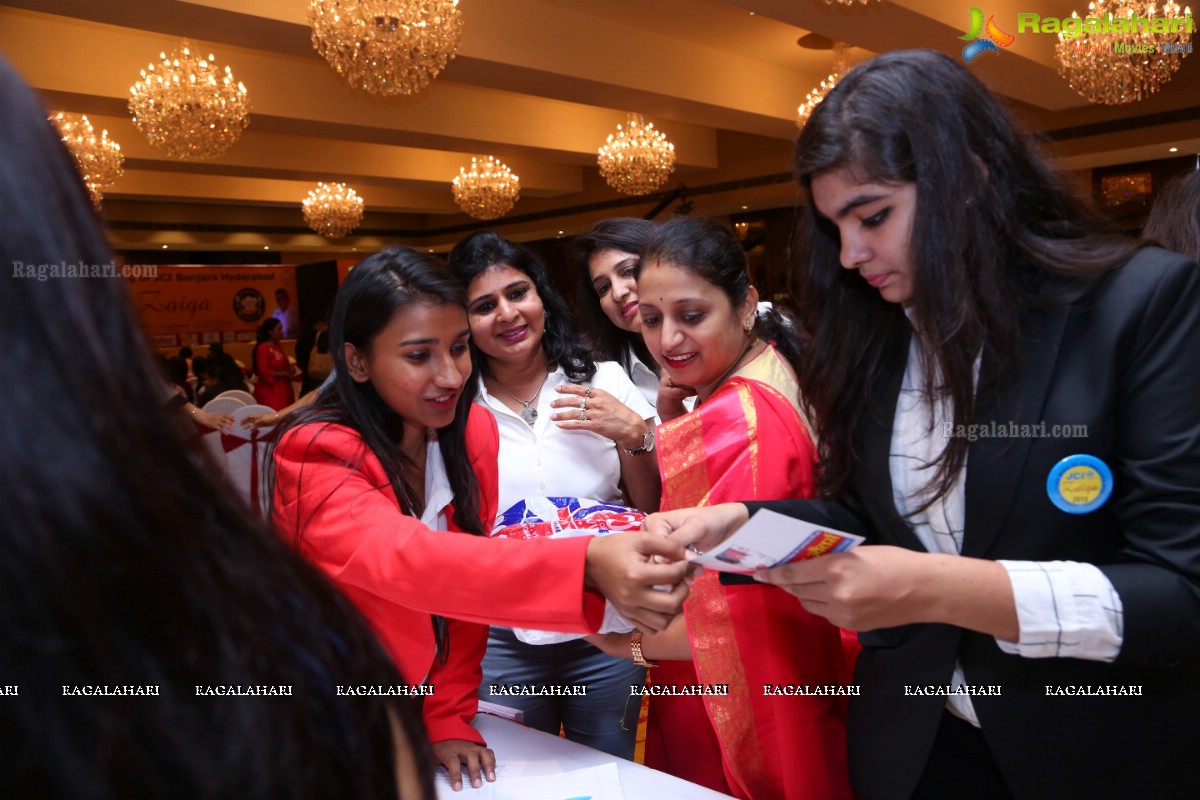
<point>747,438</point>
<point>274,384</point>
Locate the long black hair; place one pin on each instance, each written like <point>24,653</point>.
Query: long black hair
<point>1174,222</point>
<point>378,288</point>
<point>126,562</point>
<point>713,252</point>
<point>609,343</point>
<point>996,230</point>
<point>562,343</point>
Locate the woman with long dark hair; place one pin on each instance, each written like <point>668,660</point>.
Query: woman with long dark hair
<point>588,443</point>
<point>396,451</point>
<point>1005,401</point>
<point>606,303</point>
<point>161,642</point>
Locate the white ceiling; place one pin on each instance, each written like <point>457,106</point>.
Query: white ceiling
<point>538,83</point>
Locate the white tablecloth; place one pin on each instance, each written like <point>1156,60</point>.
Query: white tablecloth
<point>542,754</point>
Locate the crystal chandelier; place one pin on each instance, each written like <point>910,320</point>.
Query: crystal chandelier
<point>386,47</point>
<point>99,159</point>
<point>188,106</point>
<point>487,190</point>
<point>636,159</point>
<point>815,96</point>
<point>1121,67</point>
<point>333,210</point>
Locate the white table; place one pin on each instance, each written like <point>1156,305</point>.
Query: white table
<point>543,754</point>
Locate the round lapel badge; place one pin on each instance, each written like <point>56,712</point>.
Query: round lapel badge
<point>1079,484</point>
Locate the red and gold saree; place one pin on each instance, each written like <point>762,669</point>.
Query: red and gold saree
<point>749,441</point>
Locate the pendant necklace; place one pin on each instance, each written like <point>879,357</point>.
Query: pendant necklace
<point>529,415</point>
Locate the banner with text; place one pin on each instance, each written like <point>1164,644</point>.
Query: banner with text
<point>206,304</point>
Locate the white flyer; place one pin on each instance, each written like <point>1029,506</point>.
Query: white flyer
<point>769,539</point>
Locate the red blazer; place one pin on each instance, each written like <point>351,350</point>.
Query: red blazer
<point>334,501</point>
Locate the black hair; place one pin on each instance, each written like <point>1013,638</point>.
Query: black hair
<point>1174,221</point>
<point>610,343</point>
<point>126,562</point>
<point>561,342</point>
<point>713,252</point>
<point>996,230</point>
<point>377,289</point>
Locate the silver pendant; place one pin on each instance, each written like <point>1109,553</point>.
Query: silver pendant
<point>529,415</point>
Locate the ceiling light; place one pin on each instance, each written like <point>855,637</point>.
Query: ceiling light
<point>818,93</point>
<point>386,47</point>
<point>488,190</point>
<point>332,210</point>
<point>1116,68</point>
<point>99,159</point>
<point>188,106</point>
<point>637,159</point>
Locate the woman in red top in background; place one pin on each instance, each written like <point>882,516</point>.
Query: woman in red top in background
<point>394,449</point>
<point>274,385</point>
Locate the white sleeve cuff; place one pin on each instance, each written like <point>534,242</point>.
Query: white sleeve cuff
<point>1065,609</point>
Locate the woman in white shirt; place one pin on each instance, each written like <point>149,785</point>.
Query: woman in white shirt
<point>569,427</point>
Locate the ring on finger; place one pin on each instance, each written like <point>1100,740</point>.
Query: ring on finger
<point>583,416</point>
<point>583,403</point>
<point>587,391</point>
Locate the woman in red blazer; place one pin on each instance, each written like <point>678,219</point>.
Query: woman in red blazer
<point>391,452</point>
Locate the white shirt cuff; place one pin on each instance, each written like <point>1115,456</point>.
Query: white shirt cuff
<point>1065,609</point>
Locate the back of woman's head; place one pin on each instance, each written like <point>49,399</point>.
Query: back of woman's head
<point>127,562</point>
<point>623,235</point>
<point>562,343</point>
<point>263,334</point>
<point>713,252</point>
<point>1174,222</point>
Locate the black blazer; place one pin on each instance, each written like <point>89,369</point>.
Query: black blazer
<point>1125,361</point>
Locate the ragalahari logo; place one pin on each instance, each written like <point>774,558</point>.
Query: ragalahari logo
<point>991,36</point>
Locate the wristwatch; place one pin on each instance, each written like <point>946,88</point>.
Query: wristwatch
<point>647,444</point>
<point>635,644</point>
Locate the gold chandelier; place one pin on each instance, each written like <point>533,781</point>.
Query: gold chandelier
<point>816,95</point>
<point>188,106</point>
<point>845,2</point>
<point>386,47</point>
<point>636,159</point>
<point>1121,66</point>
<point>486,191</point>
<point>99,159</point>
<point>332,209</point>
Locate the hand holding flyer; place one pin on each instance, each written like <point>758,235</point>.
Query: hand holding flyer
<point>769,539</point>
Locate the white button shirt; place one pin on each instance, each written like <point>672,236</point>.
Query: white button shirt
<point>544,460</point>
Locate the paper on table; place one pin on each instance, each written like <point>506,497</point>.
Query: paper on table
<point>441,782</point>
<point>497,710</point>
<point>592,783</point>
<point>770,539</point>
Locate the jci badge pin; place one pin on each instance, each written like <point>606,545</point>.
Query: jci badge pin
<point>1079,484</point>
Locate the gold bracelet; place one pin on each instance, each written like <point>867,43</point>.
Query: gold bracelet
<point>635,644</point>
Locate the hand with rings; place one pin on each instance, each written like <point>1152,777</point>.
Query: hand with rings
<point>584,407</point>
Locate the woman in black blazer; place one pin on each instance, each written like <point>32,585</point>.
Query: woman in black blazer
<point>1007,401</point>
